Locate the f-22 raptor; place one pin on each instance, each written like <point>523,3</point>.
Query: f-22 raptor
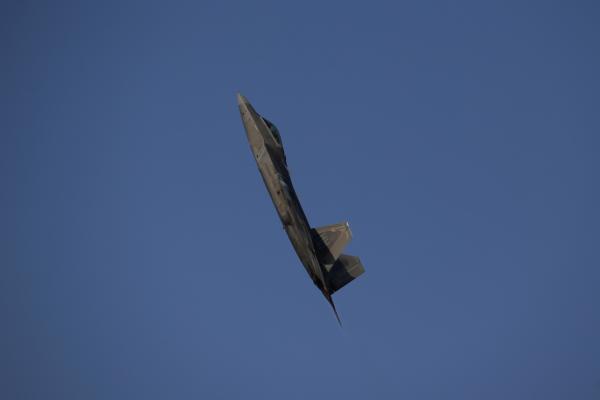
<point>319,249</point>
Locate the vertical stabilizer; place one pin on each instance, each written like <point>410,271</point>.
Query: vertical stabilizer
<point>330,241</point>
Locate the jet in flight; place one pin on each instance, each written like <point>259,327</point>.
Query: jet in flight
<point>319,249</point>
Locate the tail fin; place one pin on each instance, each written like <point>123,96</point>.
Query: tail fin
<point>345,269</point>
<point>340,268</point>
<point>330,240</point>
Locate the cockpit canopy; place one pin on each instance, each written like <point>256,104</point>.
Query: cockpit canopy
<point>273,129</point>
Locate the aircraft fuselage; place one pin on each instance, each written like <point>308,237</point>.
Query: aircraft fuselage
<point>270,158</point>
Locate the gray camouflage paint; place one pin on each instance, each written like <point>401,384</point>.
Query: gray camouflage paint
<point>318,249</point>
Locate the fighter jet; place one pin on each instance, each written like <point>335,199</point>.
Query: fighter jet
<point>319,249</point>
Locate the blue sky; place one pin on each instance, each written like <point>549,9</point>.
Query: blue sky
<point>142,258</point>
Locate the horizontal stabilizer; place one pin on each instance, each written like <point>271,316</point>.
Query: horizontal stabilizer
<point>343,271</point>
<point>330,241</point>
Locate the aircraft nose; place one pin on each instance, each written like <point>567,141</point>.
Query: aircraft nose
<point>241,99</point>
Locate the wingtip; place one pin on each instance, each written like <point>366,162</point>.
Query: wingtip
<point>337,316</point>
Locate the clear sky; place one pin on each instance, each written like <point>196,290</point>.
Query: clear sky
<point>141,257</point>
